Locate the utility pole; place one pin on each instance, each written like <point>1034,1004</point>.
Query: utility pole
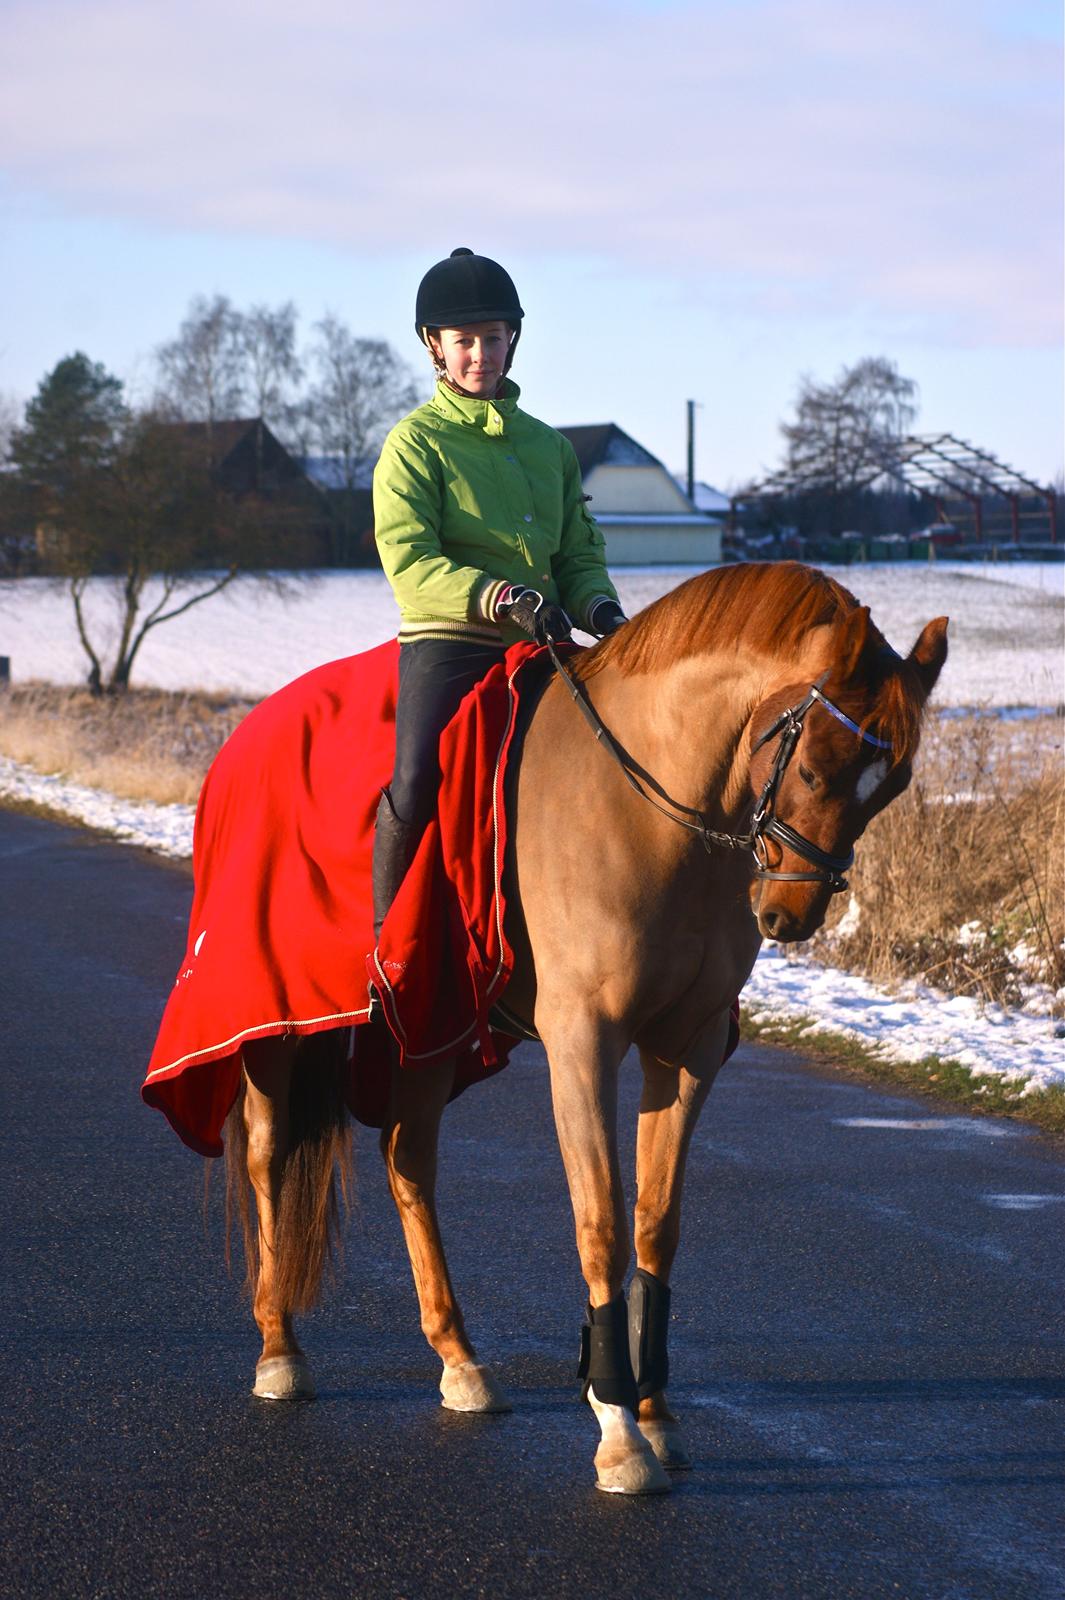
<point>691,451</point>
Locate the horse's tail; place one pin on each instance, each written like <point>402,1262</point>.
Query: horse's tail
<point>317,1168</point>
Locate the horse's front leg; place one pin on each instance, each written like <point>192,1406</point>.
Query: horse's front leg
<point>409,1146</point>
<point>673,1097</point>
<point>282,1372</point>
<point>584,1057</point>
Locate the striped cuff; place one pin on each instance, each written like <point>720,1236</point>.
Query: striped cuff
<point>590,609</point>
<point>489,596</point>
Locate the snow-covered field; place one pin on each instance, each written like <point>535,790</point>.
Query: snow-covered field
<point>1006,651</point>
<point>912,1021</point>
<point>1006,634</point>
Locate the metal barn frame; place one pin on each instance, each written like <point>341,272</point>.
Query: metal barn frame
<point>945,469</point>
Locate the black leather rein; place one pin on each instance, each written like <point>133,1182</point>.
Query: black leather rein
<point>764,823</point>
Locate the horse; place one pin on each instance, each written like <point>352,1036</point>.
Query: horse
<point>749,725</point>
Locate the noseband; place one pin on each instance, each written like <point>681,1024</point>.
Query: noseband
<point>765,824</point>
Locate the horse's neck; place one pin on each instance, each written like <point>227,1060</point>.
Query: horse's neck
<point>687,724</point>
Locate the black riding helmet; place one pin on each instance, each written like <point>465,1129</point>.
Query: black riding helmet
<point>463,289</point>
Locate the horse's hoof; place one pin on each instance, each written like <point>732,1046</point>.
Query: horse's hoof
<point>470,1387</point>
<point>667,1441</point>
<point>624,1461</point>
<point>283,1378</point>
<point>637,1472</point>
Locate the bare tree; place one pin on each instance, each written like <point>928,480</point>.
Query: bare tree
<point>127,502</point>
<point>841,428</point>
<point>158,525</point>
<point>202,369</point>
<point>10,416</point>
<point>363,388</point>
<point>272,369</point>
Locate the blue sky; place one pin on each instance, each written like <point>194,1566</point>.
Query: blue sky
<point>696,200</point>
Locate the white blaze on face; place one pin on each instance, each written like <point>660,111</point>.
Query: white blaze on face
<point>870,780</point>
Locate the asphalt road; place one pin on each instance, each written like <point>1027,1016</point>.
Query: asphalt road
<point>867,1346</point>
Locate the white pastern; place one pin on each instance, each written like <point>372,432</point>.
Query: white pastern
<point>625,1463</point>
<point>616,1423</point>
<point>870,780</point>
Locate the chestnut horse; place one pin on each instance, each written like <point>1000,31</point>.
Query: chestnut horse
<point>750,724</point>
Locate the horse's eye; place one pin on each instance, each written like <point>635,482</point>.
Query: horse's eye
<point>808,777</point>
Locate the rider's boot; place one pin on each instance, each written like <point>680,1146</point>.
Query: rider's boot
<point>394,844</point>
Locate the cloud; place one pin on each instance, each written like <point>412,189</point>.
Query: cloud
<point>898,156</point>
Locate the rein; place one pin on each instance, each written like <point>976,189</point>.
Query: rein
<point>765,824</point>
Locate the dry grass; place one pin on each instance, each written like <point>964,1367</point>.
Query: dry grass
<point>144,745</point>
<point>962,880</point>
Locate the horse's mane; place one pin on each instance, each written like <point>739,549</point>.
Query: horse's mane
<point>770,606</point>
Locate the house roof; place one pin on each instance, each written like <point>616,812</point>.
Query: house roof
<point>598,443</point>
<point>706,497</point>
<point>225,436</point>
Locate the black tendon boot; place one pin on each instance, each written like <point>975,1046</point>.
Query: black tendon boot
<point>394,844</point>
<point>605,1363</point>
<point>648,1332</point>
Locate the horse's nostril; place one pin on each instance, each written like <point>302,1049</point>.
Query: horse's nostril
<point>771,921</point>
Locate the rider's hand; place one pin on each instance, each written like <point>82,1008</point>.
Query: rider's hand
<point>605,616</point>
<point>528,610</point>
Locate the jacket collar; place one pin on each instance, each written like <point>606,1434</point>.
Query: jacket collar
<point>490,415</point>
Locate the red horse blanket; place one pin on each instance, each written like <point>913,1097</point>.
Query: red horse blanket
<point>282,915</point>
<point>282,911</point>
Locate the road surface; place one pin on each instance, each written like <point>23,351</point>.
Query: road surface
<point>867,1346</point>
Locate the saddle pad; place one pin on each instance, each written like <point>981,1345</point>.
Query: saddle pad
<point>281,930</point>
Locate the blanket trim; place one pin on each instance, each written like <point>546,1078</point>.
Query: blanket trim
<point>227,1046</point>
<point>387,994</point>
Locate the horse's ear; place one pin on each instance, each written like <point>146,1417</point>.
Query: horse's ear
<point>851,641</point>
<point>930,652</point>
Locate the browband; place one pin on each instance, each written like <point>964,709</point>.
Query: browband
<point>841,716</point>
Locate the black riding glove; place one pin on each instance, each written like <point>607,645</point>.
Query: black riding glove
<point>606,616</point>
<point>539,618</point>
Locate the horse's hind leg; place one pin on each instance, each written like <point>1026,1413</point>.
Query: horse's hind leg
<point>282,1372</point>
<point>669,1109</point>
<point>409,1146</point>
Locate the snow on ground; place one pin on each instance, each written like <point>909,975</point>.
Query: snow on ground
<point>1006,637</point>
<point>911,1022</point>
<point>165,829</point>
<point>1006,651</point>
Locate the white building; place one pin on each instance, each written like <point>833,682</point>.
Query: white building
<point>644,514</point>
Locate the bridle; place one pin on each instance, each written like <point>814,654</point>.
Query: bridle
<point>765,824</point>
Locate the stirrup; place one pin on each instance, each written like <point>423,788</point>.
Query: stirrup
<point>376,1012</point>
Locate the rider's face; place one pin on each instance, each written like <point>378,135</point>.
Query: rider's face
<point>474,356</point>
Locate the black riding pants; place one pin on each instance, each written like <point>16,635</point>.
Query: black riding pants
<point>435,675</point>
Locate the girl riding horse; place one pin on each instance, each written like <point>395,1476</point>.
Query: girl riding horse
<point>482,530</point>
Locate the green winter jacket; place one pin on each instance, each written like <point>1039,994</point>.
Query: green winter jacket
<point>470,494</point>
